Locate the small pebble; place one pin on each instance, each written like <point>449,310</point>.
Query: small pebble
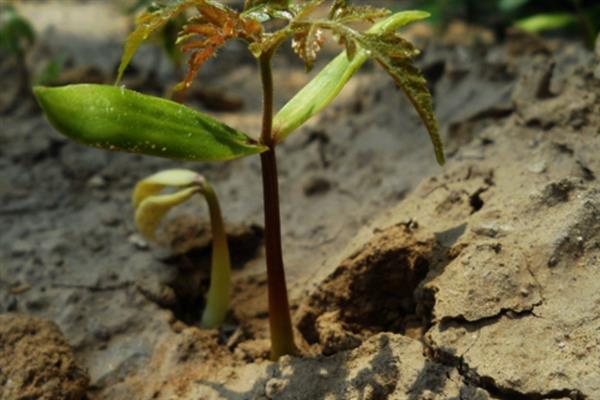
<point>97,182</point>
<point>538,168</point>
<point>138,241</point>
<point>316,185</point>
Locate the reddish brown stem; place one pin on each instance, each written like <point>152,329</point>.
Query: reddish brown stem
<point>280,323</point>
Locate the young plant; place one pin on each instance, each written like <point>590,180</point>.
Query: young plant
<point>115,118</point>
<point>150,208</point>
<point>16,36</point>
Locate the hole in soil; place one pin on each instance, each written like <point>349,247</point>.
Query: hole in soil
<point>190,285</point>
<point>191,244</point>
<point>382,298</point>
<point>374,289</point>
<point>475,200</point>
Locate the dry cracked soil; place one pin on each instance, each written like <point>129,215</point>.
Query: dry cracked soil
<point>478,280</point>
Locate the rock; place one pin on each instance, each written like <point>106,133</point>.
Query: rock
<point>36,362</point>
<point>138,241</point>
<point>96,182</point>
<point>316,185</point>
<point>495,276</point>
<point>21,247</point>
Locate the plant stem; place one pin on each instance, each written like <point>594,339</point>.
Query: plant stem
<point>588,30</point>
<point>217,302</point>
<point>280,323</point>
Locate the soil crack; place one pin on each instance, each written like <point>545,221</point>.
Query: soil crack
<point>488,383</point>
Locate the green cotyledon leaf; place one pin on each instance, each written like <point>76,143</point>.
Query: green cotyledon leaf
<point>119,119</point>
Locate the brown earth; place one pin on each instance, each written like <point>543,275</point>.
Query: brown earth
<point>36,361</point>
<point>478,281</point>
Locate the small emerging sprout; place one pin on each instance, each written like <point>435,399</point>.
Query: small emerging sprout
<point>150,208</point>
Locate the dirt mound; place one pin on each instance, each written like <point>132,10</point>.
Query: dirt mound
<point>36,362</point>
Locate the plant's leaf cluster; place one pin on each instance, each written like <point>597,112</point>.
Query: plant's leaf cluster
<point>380,43</point>
<point>215,24</point>
<point>204,34</point>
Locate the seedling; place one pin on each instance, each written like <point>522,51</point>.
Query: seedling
<point>16,36</point>
<point>115,118</point>
<point>151,207</point>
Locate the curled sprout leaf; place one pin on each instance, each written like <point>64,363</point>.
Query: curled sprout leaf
<point>150,209</point>
<point>157,182</point>
<point>116,118</point>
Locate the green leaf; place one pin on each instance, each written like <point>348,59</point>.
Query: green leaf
<point>395,54</point>
<point>116,118</point>
<point>324,88</point>
<point>546,22</point>
<point>152,209</point>
<point>147,23</point>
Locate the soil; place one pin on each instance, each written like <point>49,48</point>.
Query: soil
<point>478,280</point>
